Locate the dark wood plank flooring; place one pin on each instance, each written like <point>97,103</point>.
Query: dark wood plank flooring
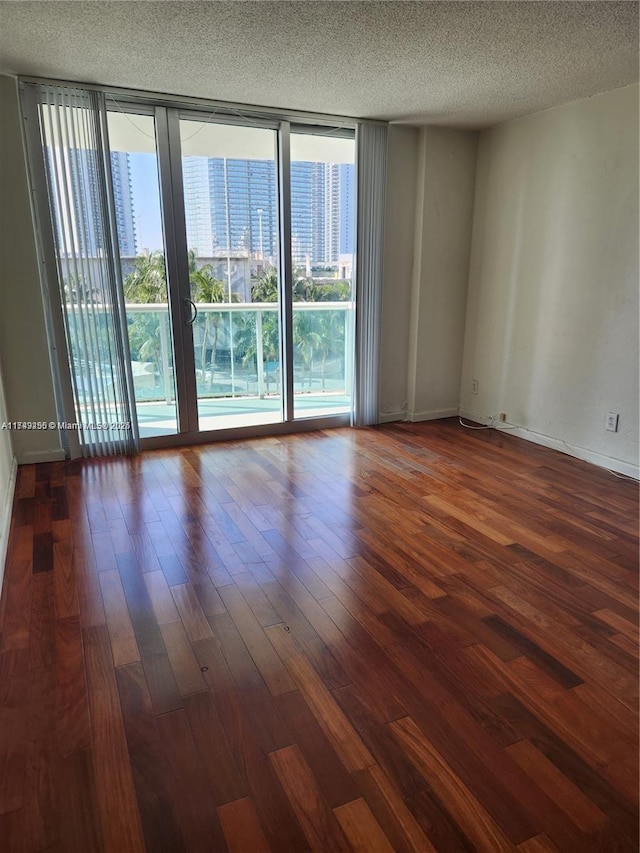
<point>410,638</point>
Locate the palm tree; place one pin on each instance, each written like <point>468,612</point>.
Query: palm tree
<point>334,291</point>
<point>306,341</point>
<point>247,338</point>
<point>147,284</point>
<point>266,287</point>
<point>206,288</point>
<point>148,281</point>
<point>312,335</point>
<point>332,335</point>
<point>77,291</point>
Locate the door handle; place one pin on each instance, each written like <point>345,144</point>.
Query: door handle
<point>189,303</point>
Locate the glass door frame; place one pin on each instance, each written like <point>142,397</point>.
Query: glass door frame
<point>286,267</point>
<point>175,235</point>
<point>177,264</point>
<point>179,292</point>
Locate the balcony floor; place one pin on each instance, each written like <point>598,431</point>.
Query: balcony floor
<point>158,418</point>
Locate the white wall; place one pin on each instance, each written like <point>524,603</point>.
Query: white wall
<point>552,314</point>
<point>402,166</point>
<point>24,354</point>
<point>442,237</point>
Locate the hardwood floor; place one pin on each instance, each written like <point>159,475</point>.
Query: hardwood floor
<point>412,638</point>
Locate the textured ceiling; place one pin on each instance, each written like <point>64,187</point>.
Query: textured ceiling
<point>454,64</point>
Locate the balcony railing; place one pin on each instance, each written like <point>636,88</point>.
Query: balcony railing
<point>237,349</point>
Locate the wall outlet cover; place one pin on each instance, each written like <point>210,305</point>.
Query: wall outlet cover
<point>612,422</point>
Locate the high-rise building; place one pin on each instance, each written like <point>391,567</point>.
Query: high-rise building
<point>231,205</point>
<point>322,211</point>
<point>123,201</point>
<point>308,193</point>
<point>331,213</point>
<point>197,205</point>
<point>81,229</point>
<point>339,222</point>
<point>347,215</point>
<point>243,205</point>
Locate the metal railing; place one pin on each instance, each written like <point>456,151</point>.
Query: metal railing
<point>232,338</point>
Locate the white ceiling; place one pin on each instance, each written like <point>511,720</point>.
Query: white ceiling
<point>461,64</point>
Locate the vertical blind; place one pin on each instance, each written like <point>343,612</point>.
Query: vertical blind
<point>371,180</point>
<point>77,167</point>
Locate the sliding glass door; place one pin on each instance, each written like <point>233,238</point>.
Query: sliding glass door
<point>138,213</point>
<point>230,191</point>
<point>237,256</point>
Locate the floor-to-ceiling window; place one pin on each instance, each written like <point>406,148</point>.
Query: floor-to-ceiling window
<point>323,252</point>
<point>138,213</point>
<point>200,207</point>
<point>230,190</point>
<point>233,240</point>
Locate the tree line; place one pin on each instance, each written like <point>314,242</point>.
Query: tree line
<point>317,336</point>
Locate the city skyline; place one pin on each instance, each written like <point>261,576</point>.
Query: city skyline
<point>81,229</point>
<point>322,203</point>
<point>230,204</point>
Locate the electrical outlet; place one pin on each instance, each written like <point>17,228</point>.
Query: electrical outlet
<point>474,386</point>
<point>502,416</point>
<point>612,422</point>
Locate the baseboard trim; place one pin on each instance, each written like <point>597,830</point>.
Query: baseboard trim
<point>433,415</point>
<point>592,456</point>
<point>476,417</point>
<point>5,518</point>
<point>32,457</point>
<point>389,417</point>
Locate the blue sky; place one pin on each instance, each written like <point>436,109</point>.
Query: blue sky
<point>146,201</point>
